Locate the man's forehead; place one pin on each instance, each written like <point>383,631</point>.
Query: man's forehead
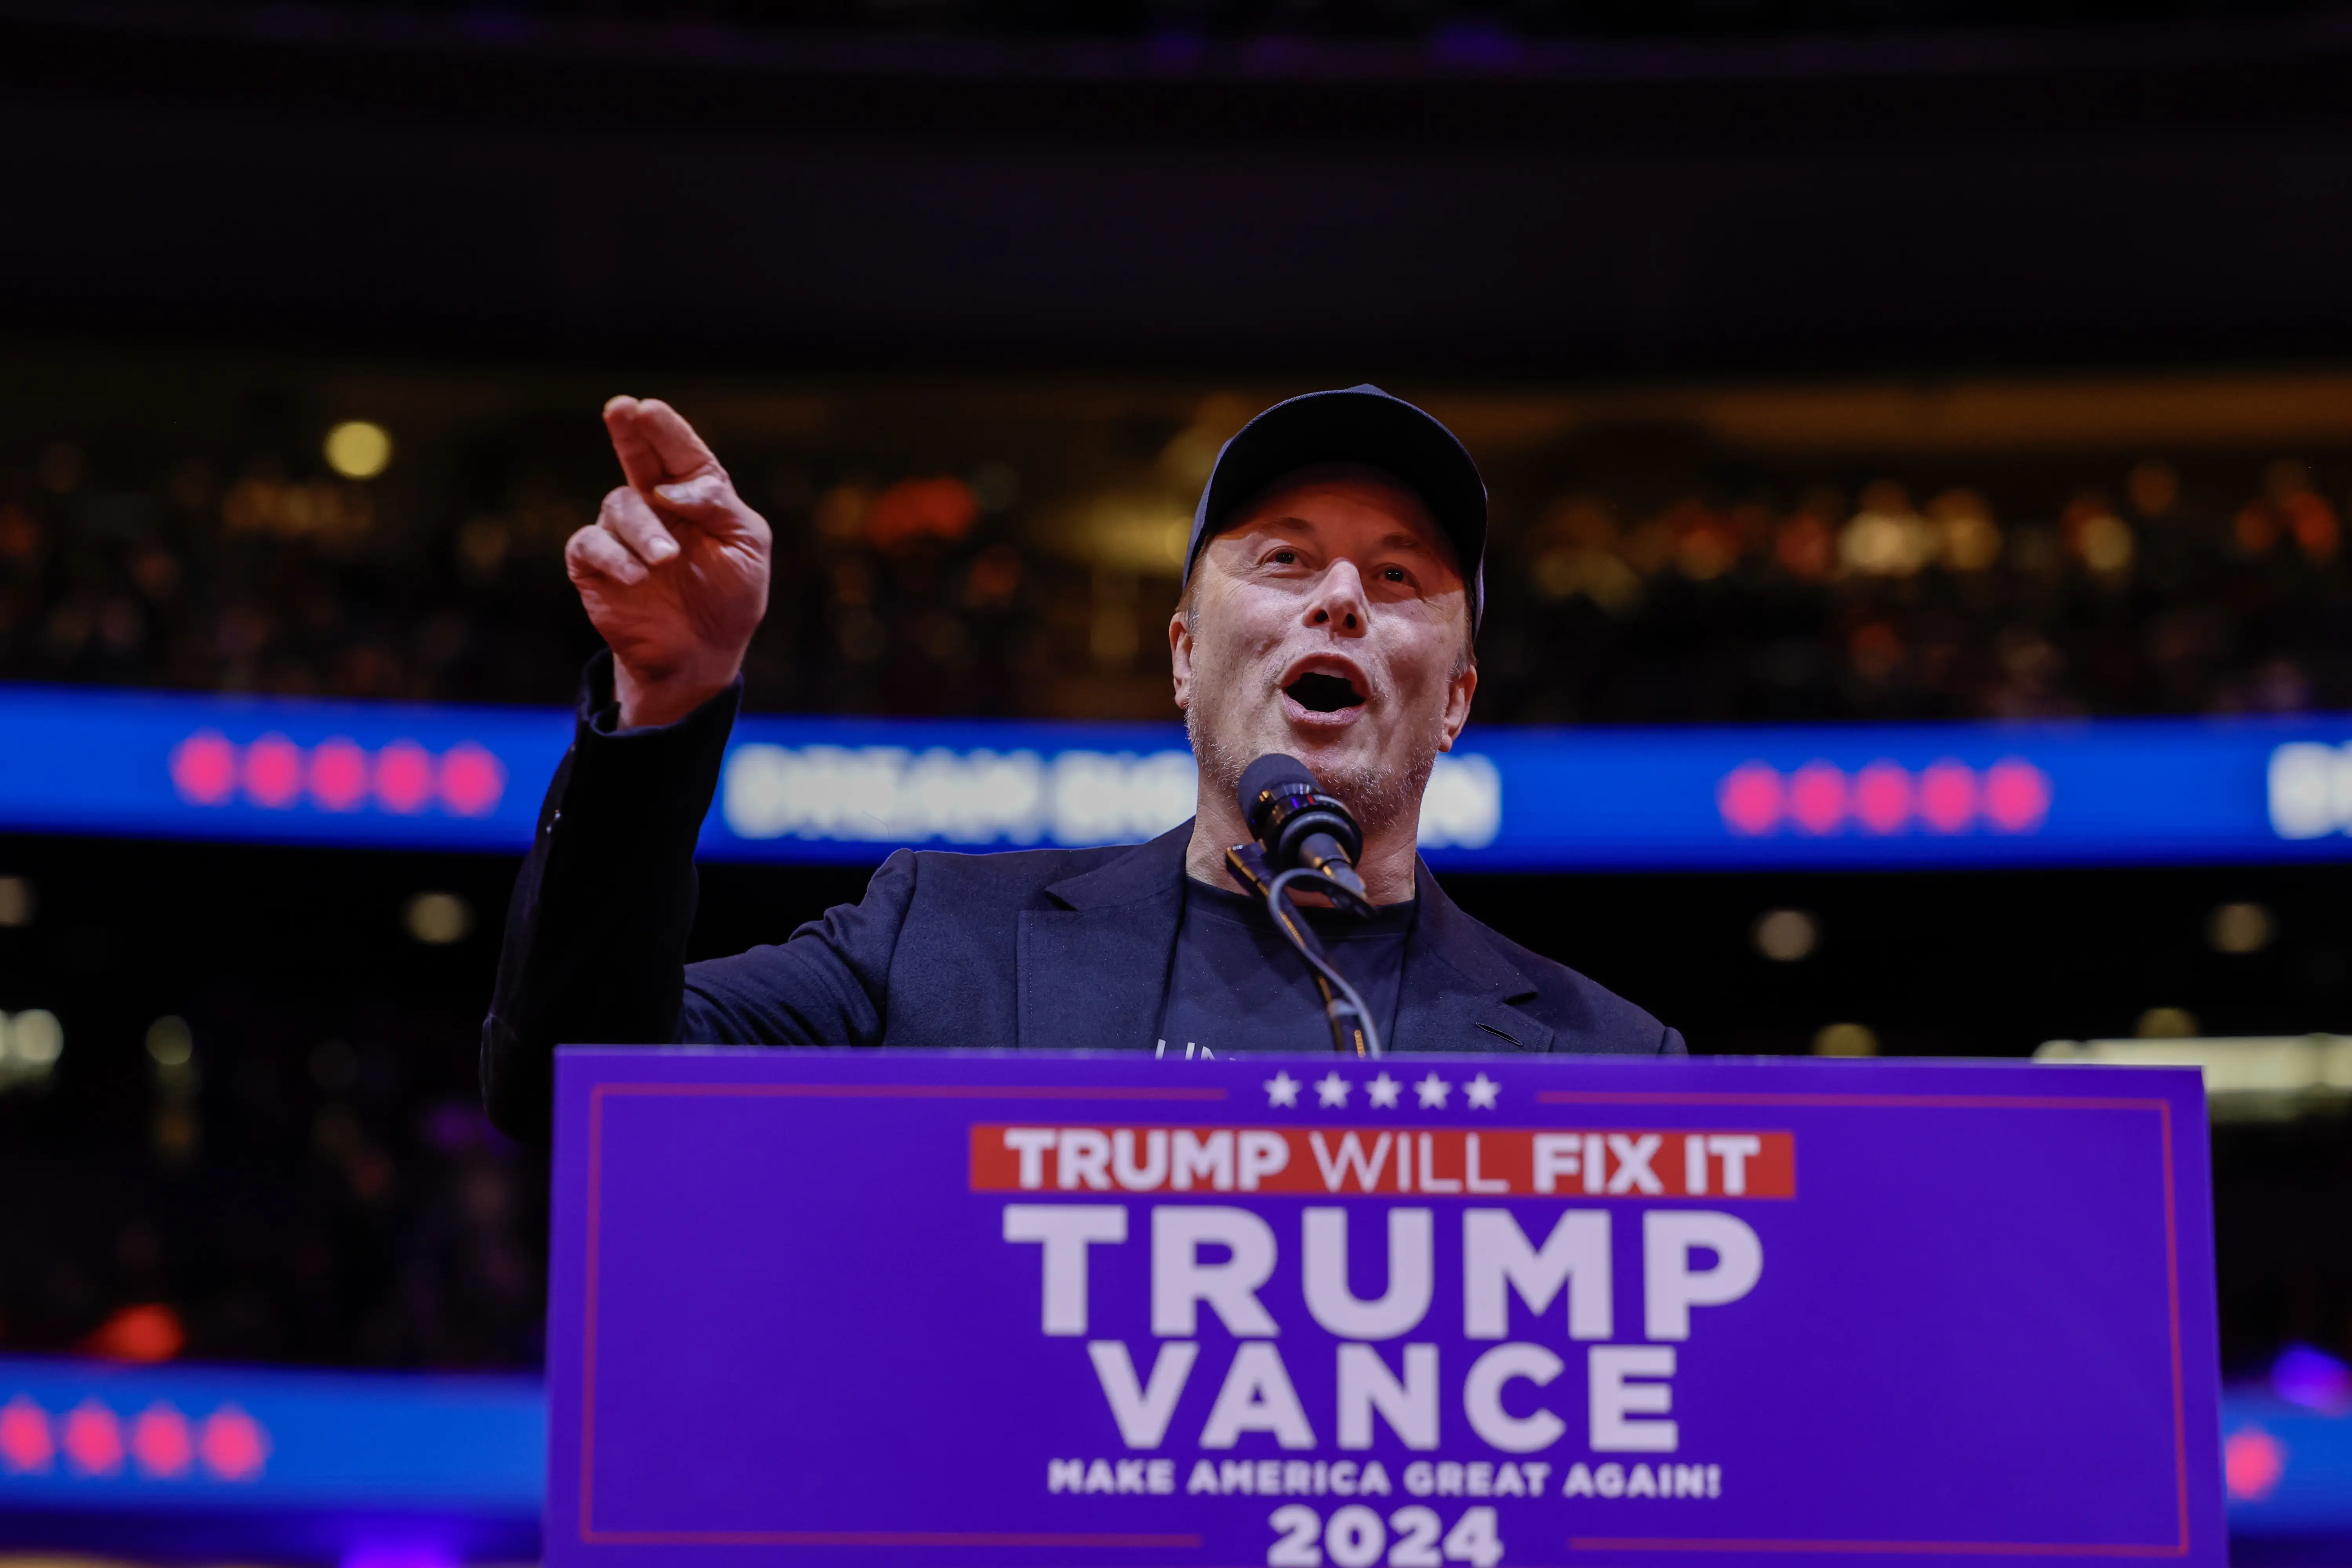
<point>1289,501</point>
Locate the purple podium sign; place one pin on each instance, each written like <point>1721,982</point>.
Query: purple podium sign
<point>887,1310</point>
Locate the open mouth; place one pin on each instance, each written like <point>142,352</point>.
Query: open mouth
<point>1320,693</point>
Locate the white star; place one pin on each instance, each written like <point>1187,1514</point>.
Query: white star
<point>1431,1090</point>
<point>1480,1092</point>
<point>1331,1089</point>
<point>1383,1091</point>
<point>1282,1090</point>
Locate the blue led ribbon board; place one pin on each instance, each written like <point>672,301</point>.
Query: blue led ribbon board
<point>247,1461</point>
<point>429,1470</point>
<point>2109,791</point>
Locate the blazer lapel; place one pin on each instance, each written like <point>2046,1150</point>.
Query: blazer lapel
<point>1457,992</point>
<point>1093,969</point>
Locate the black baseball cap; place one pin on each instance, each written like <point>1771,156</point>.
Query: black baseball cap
<point>1355,425</point>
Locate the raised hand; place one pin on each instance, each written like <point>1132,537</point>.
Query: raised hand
<point>673,571</point>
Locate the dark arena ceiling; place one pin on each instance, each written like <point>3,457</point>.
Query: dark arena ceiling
<point>1553,192</point>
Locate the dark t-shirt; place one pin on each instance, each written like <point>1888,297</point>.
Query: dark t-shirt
<point>1237,985</point>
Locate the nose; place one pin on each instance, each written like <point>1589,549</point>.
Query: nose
<point>1339,602</point>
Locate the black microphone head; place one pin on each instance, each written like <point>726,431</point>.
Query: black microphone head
<point>1266,782</point>
<point>1285,806</point>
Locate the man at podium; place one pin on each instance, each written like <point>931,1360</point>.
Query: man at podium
<point>1332,595</point>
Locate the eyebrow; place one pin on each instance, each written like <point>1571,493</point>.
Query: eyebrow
<point>1399,540</point>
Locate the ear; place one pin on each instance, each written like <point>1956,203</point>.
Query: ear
<point>1457,706</point>
<point>1180,658</point>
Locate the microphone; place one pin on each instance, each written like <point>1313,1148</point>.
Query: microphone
<point>1300,826</point>
<point>1302,833</point>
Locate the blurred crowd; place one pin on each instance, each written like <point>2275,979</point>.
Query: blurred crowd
<point>902,598</point>
<point>1703,597</point>
<point>292,1164</point>
<point>380,1228</point>
<point>2139,597</point>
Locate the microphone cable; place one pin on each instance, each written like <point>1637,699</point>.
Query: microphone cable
<point>1291,921</point>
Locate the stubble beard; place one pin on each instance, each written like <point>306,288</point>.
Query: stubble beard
<point>1378,795</point>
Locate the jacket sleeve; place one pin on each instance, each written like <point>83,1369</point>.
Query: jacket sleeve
<point>595,949</point>
<point>596,939</point>
<point>827,985</point>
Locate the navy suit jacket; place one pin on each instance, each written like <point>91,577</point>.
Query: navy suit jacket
<point>1040,949</point>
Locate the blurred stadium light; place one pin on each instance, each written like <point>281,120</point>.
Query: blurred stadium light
<point>2288,1467</point>
<point>2247,1077</point>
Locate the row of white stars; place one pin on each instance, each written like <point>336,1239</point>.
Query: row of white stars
<point>1382,1092</point>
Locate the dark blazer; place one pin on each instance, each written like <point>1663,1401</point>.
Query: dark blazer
<point>1039,948</point>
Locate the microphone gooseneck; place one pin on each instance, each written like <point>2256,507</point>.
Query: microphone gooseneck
<point>1298,824</point>
<point>1304,835</point>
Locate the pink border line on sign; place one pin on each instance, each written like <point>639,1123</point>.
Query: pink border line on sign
<point>2163,1108</point>
<point>589,1535</point>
